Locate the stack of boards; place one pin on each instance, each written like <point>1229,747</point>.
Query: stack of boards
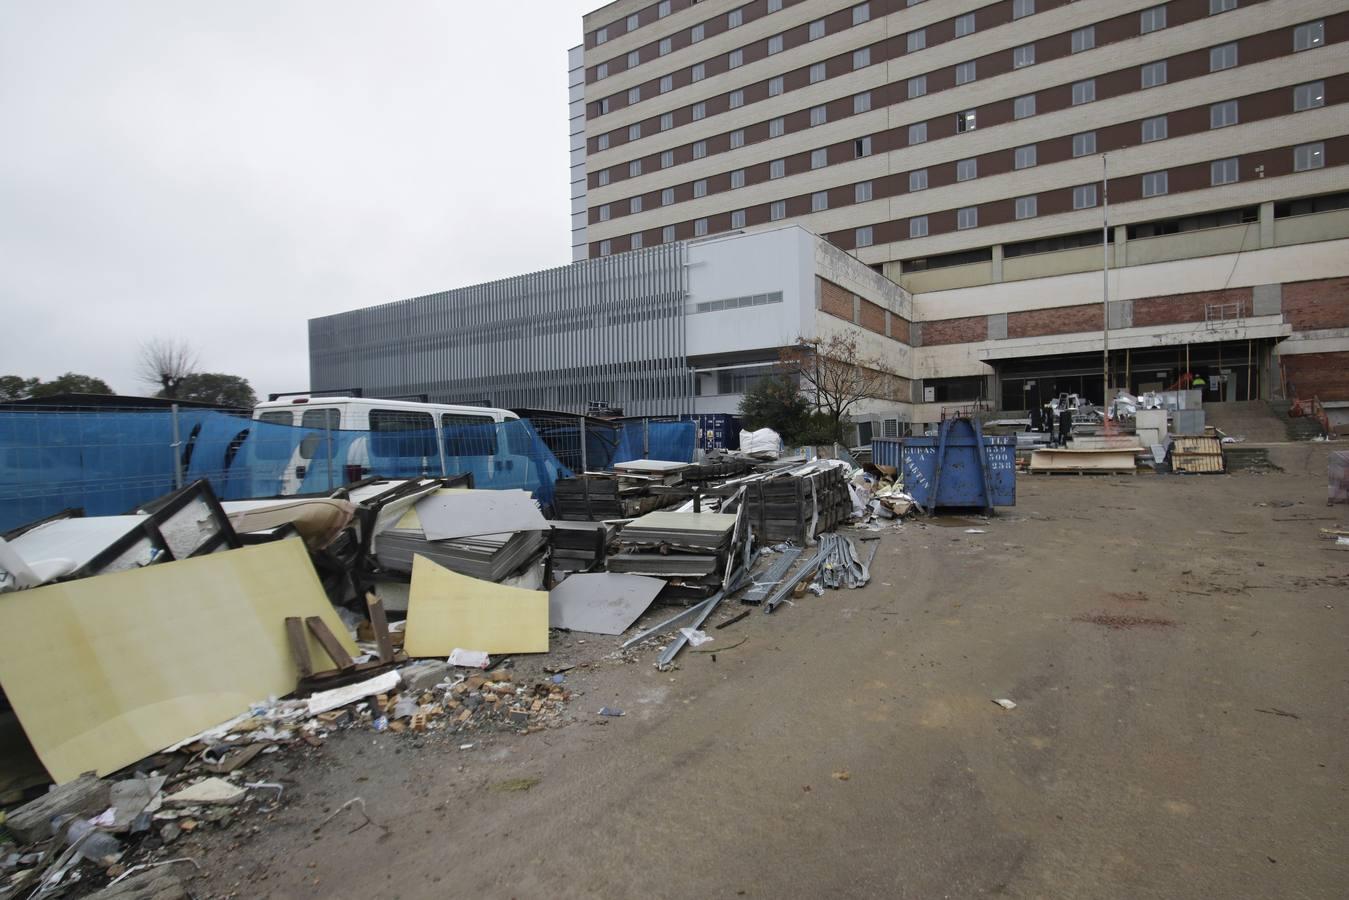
<point>687,546</point>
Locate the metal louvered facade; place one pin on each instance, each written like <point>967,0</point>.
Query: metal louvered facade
<point>608,330</point>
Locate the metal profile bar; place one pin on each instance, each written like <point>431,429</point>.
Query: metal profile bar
<point>772,577</point>
<point>786,587</point>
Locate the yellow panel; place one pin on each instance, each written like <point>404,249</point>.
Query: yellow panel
<point>448,610</point>
<point>107,670</point>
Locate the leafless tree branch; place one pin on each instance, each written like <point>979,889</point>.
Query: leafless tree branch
<point>165,362</point>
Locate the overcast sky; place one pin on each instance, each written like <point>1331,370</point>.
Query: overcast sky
<point>221,172</point>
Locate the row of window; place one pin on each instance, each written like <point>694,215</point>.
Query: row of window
<point>1306,157</point>
<point>1222,114</point>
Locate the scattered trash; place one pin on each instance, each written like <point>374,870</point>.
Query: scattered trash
<point>975,531</point>
<point>608,711</point>
<point>841,775</point>
<point>513,785</point>
<point>695,637</point>
<point>1005,703</point>
<point>470,659</point>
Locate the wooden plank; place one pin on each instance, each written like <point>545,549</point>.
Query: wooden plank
<point>335,651</point>
<point>299,647</point>
<point>379,624</point>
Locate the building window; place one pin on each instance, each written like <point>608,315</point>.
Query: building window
<point>818,115</point>
<point>1023,56</point>
<point>667,197</point>
<point>634,168</point>
<point>604,213</point>
<point>775,44</point>
<point>699,111</point>
<point>861,103</point>
<point>666,83</point>
<point>736,59</point>
<point>864,237</point>
<point>633,22</point>
<point>662,9</point>
<point>861,13</point>
<point>1224,57</point>
<point>1084,144</point>
<point>918,133</point>
<point>1154,184</point>
<point>918,227</point>
<point>774,6</point>
<point>861,192</point>
<point>1084,196</point>
<point>602,142</point>
<point>1220,6</point>
<point>965,72</point>
<point>737,178</point>
<point>737,99</point>
<point>1023,107</point>
<point>1154,129</point>
<point>664,47</point>
<point>634,59</point>
<point>1084,39</point>
<point>817,73</point>
<point>602,107</point>
<point>916,40</point>
<point>1220,115</point>
<point>1084,91</point>
<point>817,29</point>
<point>667,234</point>
<point>735,18</point>
<point>635,242</point>
<point>967,169</point>
<point>777,127</point>
<point>696,33</point>
<point>602,178</point>
<point>602,36</point>
<point>777,168</point>
<point>965,121</point>
<point>635,205</point>
<point>635,131</point>
<point>965,25</point>
<point>1223,171</point>
<point>1153,19</point>
<point>917,86</point>
<point>819,201</point>
<point>699,227</point>
<point>700,188</point>
<point>1309,96</point>
<point>1309,156</point>
<point>1025,207</point>
<point>775,86</point>
<point>1309,36</point>
<point>1024,157</point>
<point>861,58</point>
<point>918,180</point>
<point>634,95</point>
<point>699,72</point>
<point>819,158</point>
<point>737,138</point>
<point>861,147</point>
<point>602,71</point>
<point>699,149</point>
<point>1154,74</point>
<point>777,210</point>
<point>605,248</point>
<point>967,217</point>
<point>738,218</point>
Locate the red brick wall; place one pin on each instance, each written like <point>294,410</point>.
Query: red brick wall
<point>1309,305</point>
<point>1059,320</point>
<point>835,300</point>
<point>873,317</point>
<point>899,330</point>
<point>955,331</point>
<point>1174,308</point>
<point>1323,375</point>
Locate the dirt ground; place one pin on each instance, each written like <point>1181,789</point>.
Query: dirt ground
<point>1175,646</point>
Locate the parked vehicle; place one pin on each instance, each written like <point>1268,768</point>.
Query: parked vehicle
<point>357,437</point>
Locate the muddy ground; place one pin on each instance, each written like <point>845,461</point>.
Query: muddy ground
<point>1175,646</point>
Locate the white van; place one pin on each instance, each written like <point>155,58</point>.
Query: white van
<point>405,439</point>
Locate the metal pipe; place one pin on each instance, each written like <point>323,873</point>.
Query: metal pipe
<point>177,449</point>
<point>1105,281</point>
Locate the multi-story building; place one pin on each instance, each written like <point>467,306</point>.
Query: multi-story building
<point>965,149</point>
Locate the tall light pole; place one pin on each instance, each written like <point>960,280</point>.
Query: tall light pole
<point>1105,281</point>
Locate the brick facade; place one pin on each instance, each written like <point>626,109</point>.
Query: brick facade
<point>1312,305</point>
<point>1173,308</point>
<point>873,317</point>
<point>955,331</point>
<point>835,300</point>
<point>1059,320</point>
<point>1322,375</point>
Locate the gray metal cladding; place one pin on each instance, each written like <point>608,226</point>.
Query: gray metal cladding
<point>609,329</point>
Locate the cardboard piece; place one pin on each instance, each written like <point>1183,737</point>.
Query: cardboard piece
<point>601,602</point>
<point>448,610</point>
<point>114,668</point>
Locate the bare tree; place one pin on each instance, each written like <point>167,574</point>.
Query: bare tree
<point>839,375</point>
<point>165,362</point>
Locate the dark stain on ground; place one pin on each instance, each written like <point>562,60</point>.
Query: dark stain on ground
<point>1137,597</point>
<point>1107,620</point>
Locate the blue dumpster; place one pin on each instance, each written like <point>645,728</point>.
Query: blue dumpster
<point>961,466</point>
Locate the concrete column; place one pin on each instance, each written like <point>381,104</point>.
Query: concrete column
<point>1267,224</point>
<point>997,262</point>
<point>1120,256</point>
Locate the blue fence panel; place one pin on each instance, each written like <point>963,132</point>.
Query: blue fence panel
<point>672,441</point>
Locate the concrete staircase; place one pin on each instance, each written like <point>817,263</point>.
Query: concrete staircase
<point>1301,428</point>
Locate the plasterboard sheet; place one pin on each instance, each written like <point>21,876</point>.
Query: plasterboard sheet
<point>77,540</point>
<point>448,610</point>
<point>114,668</point>
<point>450,513</point>
<point>674,521</point>
<point>601,603</point>
<point>651,466</point>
